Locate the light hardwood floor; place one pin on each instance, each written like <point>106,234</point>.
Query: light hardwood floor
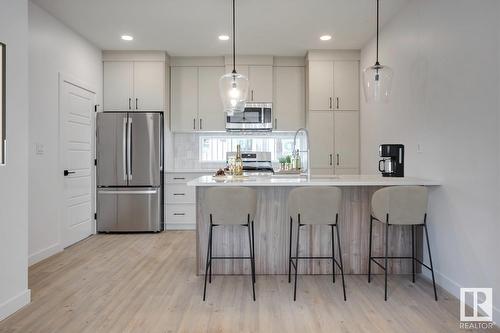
<point>147,283</point>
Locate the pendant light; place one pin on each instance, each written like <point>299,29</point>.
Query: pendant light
<point>377,79</point>
<point>233,86</point>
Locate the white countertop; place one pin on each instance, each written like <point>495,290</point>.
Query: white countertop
<point>340,180</point>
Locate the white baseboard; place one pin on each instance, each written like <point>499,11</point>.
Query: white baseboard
<point>44,254</point>
<point>15,303</point>
<point>180,226</point>
<point>453,288</point>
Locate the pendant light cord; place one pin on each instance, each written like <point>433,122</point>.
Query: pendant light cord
<point>234,39</point>
<point>377,63</point>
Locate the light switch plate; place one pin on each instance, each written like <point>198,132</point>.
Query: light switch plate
<point>39,149</point>
<point>420,148</point>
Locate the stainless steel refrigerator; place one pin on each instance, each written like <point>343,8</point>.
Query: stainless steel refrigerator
<point>129,171</point>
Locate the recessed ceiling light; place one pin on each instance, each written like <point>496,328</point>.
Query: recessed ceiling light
<point>223,37</point>
<point>127,37</point>
<point>325,37</point>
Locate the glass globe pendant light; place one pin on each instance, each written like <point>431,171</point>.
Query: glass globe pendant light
<point>377,79</point>
<point>233,87</point>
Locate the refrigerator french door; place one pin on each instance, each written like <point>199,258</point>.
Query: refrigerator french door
<point>129,171</point>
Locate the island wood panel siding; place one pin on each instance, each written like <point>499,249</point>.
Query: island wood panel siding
<point>272,227</point>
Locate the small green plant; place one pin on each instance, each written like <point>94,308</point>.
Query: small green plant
<point>282,160</point>
<point>288,159</point>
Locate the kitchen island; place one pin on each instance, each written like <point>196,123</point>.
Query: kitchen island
<point>272,227</point>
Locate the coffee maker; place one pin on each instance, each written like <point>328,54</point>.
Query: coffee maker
<point>393,160</point>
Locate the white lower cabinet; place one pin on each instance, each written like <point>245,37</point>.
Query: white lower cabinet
<point>180,200</point>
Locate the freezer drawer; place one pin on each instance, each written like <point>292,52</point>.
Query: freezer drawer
<point>128,209</point>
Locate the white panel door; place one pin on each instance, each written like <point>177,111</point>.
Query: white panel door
<point>346,140</point>
<point>211,116</point>
<point>184,98</point>
<point>346,85</point>
<point>118,85</point>
<point>149,85</point>
<point>261,83</point>
<point>320,85</point>
<point>289,98</point>
<point>77,108</point>
<point>320,125</point>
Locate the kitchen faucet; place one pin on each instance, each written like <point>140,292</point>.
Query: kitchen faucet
<point>308,148</point>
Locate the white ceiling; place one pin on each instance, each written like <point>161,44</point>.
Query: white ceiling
<point>191,27</point>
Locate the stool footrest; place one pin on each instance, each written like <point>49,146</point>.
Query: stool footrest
<point>231,257</point>
<point>380,265</point>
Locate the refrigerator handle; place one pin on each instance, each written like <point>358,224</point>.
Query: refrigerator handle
<point>130,149</point>
<point>124,152</point>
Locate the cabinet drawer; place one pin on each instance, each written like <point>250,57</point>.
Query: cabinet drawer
<point>181,213</point>
<point>180,193</point>
<point>180,177</point>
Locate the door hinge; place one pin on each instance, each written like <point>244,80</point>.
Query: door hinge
<point>95,216</point>
<point>95,161</point>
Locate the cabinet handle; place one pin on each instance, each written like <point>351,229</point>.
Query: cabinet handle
<point>252,95</point>
<point>179,178</point>
<point>194,123</point>
<point>331,159</point>
<point>137,104</point>
<point>201,124</point>
<point>330,102</point>
<point>337,102</point>
<point>338,159</point>
<point>130,103</point>
<point>275,123</point>
<point>179,214</point>
<point>179,193</point>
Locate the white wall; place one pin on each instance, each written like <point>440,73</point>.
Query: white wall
<point>14,292</point>
<point>445,54</point>
<point>53,49</point>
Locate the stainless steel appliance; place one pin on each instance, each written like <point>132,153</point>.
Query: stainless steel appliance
<point>393,159</point>
<point>254,162</point>
<point>255,117</point>
<point>129,171</point>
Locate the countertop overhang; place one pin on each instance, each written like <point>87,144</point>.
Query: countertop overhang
<point>339,180</point>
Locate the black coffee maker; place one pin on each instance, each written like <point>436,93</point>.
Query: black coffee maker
<point>393,160</point>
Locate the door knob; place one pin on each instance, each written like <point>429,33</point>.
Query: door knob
<point>67,172</point>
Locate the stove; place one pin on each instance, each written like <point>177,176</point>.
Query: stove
<point>255,162</point>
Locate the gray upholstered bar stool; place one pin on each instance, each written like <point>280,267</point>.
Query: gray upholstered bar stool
<point>314,205</point>
<point>400,205</point>
<point>231,206</point>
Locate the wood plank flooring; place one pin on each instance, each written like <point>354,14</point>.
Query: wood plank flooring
<point>147,283</point>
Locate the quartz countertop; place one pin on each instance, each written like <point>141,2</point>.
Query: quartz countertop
<point>293,180</point>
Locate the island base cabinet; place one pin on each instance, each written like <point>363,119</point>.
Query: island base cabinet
<point>272,230</point>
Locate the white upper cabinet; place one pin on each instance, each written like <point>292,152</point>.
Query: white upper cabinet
<point>134,85</point>
<point>346,140</point>
<point>184,98</point>
<point>211,115</point>
<point>346,85</point>
<point>149,85</point>
<point>118,85</point>
<point>289,98</point>
<point>320,85</point>
<point>261,83</point>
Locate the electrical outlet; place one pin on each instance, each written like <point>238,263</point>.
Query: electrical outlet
<point>39,149</point>
<point>420,148</point>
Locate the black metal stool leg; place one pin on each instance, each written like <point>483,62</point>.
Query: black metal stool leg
<point>370,251</point>
<point>386,251</point>
<point>413,252</point>
<point>253,251</point>
<point>208,260</point>
<point>296,260</point>
<point>430,258</point>
<point>340,256</point>
<point>333,254</point>
<point>210,251</point>
<point>251,264</point>
<point>290,252</point>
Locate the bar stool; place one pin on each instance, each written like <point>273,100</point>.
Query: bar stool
<point>231,206</point>
<point>320,206</point>
<point>400,205</point>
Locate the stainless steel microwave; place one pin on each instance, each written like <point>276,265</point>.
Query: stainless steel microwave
<point>255,117</point>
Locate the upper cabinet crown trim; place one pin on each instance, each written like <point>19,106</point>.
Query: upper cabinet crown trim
<point>197,61</point>
<point>250,60</point>
<point>134,56</point>
<point>329,55</point>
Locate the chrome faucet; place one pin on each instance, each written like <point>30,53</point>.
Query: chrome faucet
<point>308,148</point>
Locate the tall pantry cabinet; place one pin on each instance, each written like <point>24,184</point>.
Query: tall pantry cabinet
<point>333,111</point>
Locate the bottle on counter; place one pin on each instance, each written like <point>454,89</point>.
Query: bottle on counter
<point>297,164</point>
<point>238,162</point>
